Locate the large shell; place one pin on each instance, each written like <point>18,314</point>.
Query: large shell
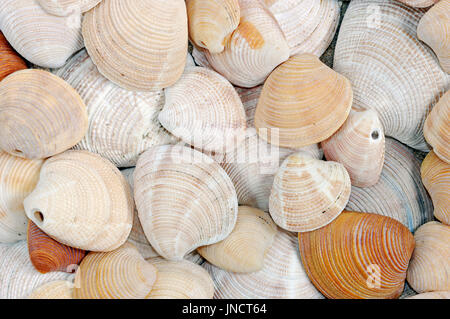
<point>204,110</point>
<point>82,201</point>
<point>432,295</point>
<point>119,274</point>
<point>358,255</point>
<point>122,123</point>
<point>282,276</point>
<point>254,49</point>
<point>212,22</point>
<point>10,61</point>
<point>308,193</point>
<point>59,289</point>
<point>302,102</point>
<point>430,264</point>
<point>359,146</point>
<point>67,7</point>
<point>399,193</point>
<point>138,44</point>
<point>244,250</point>
<point>180,280</point>
<point>18,177</point>
<point>391,71</point>
<point>47,255</point>
<point>437,128</point>
<point>184,199</point>
<point>48,45</point>
<point>419,3</point>
<point>39,121</point>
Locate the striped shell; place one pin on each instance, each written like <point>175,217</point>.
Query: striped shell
<point>432,295</point>
<point>82,201</point>
<point>67,7</point>
<point>184,199</point>
<point>140,45</point>
<point>39,121</point>
<point>60,289</point>
<point>359,255</point>
<point>10,61</point>
<point>302,102</point>
<point>419,3</point>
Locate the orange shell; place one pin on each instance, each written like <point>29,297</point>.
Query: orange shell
<point>10,61</point>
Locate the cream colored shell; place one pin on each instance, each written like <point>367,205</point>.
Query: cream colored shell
<point>60,289</point>
<point>432,295</point>
<point>67,7</point>
<point>419,3</point>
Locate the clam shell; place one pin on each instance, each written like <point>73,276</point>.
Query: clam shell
<point>122,123</point>
<point>204,110</point>
<point>60,289</point>
<point>399,193</point>
<point>180,280</point>
<point>359,256</point>
<point>51,43</point>
<point>39,121</point>
<point>185,200</point>
<point>132,52</point>
<point>430,263</point>
<point>432,295</point>
<point>119,274</point>
<point>212,22</point>
<point>244,250</point>
<point>302,102</point>
<point>282,276</point>
<point>308,193</point>
<point>437,128</point>
<point>64,8</point>
<point>359,146</point>
<point>390,70</point>
<point>419,3</point>
<point>18,177</point>
<point>10,61</point>
<point>47,255</point>
<point>82,201</point>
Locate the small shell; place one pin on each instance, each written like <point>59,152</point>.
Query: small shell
<point>204,110</point>
<point>212,22</point>
<point>359,146</point>
<point>140,45</point>
<point>41,38</point>
<point>47,255</point>
<point>419,3</point>
<point>64,8</point>
<point>282,276</point>
<point>10,61</point>
<point>39,121</point>
<point>432,295</point>
<point>437,128</point>
<point>302,102</point>
<point>122,123</point>
<point>308,193</point>
<point>82,201</point>
<point>358,256</point>
<point>118,274</point>
<point>60,289</point>
<point>18,178</point>
<point>430,263</point>
<point>244,250</point>
<point>180,280</point>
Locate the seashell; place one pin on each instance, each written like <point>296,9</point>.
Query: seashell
<point>399,193</point>
<point>307,193</point>
<point>82,201</point>
<point>39,121</point>
<point>185,200</point>
<point>18,177</point>
<point>250,98</point>
<point>434,29</point>
<point>430,263</point>
<point>50,44</point>
<point>308,26</point>
<point>212,22</point>
<point>432,295</point>
<point>199,57</point>
<point>245,248</point>
<point>359,146</point>
<point>122,123</point>
<point>18,277</point>
<point>67,7</point>
<point>130,51</point>
<point>60,289</point>
<point>204,110</point>
<point>282,276</point>
<point>419,3</point>
<point>358,256</point>
<point>302,102</point>
<point>390,70</point>
<point>48,255</point>
<point>436,179</point>
<point>254,49</point>
<point>10,61</point>
<point>437,128</point>
<point>180,280</point>
<point>118,274</point>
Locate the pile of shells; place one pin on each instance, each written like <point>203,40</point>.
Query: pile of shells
<point>227,149</point>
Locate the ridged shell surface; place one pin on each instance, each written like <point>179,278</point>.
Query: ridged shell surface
<point>432,295</point>
<point>419,3</point>
<point>60,289</point>
<point>10,61</point>
<point>67,7</point>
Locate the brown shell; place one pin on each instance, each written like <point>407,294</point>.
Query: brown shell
<point>10,61</point>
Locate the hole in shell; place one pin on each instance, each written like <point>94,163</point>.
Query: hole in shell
<point>375,135</point>
<point>16,151</point>
<point>39,216</point>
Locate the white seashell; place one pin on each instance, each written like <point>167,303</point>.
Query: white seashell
<point>60,289</point>
<point>419,3</point>
<point>67,7</point>
<point>432,295</point>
